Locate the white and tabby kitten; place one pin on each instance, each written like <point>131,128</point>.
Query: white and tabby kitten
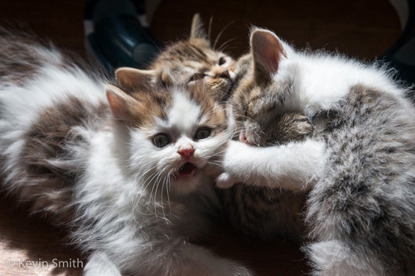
<point>358,166</point>
<point>125,171</point>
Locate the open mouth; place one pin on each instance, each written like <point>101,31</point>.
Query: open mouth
<point>187,169</point>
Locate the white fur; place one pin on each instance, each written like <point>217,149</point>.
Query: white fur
<point>332,258</point>
<point>183,108</point>
<point>272,165</point>
<point>140,218</point>
<point>22,104</point>
<point>99,264</point>
<point>132,215</point>
<point>317,83</point>
<point>322,80</point>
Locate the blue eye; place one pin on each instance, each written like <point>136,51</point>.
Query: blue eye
<point>161,140</point>
<point>202,133</point>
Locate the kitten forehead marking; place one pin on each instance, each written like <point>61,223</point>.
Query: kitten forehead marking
<point>183,113</point>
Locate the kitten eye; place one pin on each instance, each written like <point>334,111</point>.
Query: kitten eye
<point>222,61</point>
<point>161,140</point>
<point>197,76</point>
<point>202,133</point>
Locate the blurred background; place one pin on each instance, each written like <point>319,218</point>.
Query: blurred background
<point>360,29</point>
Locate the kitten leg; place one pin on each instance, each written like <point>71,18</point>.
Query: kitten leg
<point>291,166</point>
<point>180,258</point>
<point>200,262</point>
<point>100,264</point>
<point>334,258</point>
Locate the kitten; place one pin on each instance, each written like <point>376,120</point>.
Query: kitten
<point>125,171</point>
<point>358,167</point>
<point>257,212</point>
<point>187,62</point>
<point>266,213</point>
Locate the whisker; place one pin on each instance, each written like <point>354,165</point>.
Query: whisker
<point>155,189</point>
<point>220,34</point>
<point>216,163</point>
<point>226,43</point>
<point>168,189</point>
<point>218,153</point>
<point>210,27</point>
<point>148,181</point>
<point>153,178</point>
<point>162,193</point>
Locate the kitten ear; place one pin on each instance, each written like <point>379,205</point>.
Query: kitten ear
<point>131,78</point>
<point>120,103</point>
<point>197,30</point>
<point>267,51</point>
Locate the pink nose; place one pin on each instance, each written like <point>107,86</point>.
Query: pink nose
<point>244,139</point>
<point>225,74</point>
<point>186,152</point>
<point>221,73</point>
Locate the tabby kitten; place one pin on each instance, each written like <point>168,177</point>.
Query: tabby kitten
<point>267,213</point>
<point>186,62</point>
<point>123,169</point>
<point>358,166</point>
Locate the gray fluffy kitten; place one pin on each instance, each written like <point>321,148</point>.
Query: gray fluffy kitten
<point>358,166</point>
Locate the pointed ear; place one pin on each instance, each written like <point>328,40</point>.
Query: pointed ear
<point>165,78</point>
<point>120,103</point>
<point>131,78</point>
<point>267,51</point>
<point>197,30</point>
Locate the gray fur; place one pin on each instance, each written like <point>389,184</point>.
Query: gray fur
<point>360,209</point>
<point>370,199</point>
<point>268,213</point>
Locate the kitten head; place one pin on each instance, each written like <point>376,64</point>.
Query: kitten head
<point>256,100</point>
<point>168,137</point>
<point>186,63</point>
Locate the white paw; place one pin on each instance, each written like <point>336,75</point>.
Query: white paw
<point>100,264</point>
<point>235,154</point>
<point>242,271</point>
<point>224,181</point>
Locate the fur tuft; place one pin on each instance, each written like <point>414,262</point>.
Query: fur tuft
<point>125,172</point>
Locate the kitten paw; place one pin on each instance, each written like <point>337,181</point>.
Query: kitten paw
<point>100,264</point>
<point>225,181</point>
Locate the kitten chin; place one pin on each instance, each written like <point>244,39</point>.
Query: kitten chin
<point>189,183</point>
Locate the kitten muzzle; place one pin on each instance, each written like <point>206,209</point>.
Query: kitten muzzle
<point>244,139</point>
<point>187,169</point>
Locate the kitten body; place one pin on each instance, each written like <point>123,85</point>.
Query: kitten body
<point>257,212</point>
<point>358,167</point>
<point>267,213</point>
<point>123,171</point>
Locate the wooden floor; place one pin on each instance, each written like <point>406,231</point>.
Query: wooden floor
<point>361,29</point>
